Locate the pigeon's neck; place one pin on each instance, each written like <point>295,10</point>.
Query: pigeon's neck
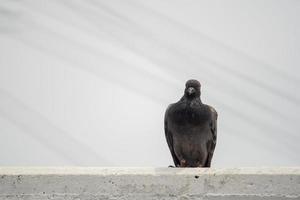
<point>195,99</point>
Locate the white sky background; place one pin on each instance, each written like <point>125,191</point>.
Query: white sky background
<point>87,82</point>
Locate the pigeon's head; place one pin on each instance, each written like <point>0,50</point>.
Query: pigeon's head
<point>192,88</point>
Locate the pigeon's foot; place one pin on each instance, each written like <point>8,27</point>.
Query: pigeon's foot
<point>171,166</point>
<point>183,163</point>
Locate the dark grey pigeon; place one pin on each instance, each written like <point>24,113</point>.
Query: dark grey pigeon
<point>191,129</point>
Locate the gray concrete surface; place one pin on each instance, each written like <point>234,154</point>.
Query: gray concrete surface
<point>148,183</point>
<point>87,82</point>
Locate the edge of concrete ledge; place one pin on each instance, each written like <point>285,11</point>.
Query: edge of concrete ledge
<point>73,183</point>
<point>147,171</point>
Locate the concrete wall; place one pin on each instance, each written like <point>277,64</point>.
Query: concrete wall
<point>149,183</point>
<point>87,82</point>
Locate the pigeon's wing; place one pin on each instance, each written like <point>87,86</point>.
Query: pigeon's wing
<point>169,137</point>
<point>212,143</point>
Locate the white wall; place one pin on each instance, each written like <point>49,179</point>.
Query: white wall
<point>87,82</point>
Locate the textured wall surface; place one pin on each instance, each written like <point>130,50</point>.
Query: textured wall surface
<point>87,82</point>
<point>149,183</point>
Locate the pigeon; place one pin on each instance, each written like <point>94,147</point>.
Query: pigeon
<point>191,129</point>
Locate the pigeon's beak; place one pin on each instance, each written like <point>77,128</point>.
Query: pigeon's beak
<point>190,90</point>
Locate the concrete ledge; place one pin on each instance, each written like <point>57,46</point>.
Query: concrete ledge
<point>149,183</point>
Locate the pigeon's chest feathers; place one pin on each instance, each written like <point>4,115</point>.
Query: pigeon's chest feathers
<point>191,113</point>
